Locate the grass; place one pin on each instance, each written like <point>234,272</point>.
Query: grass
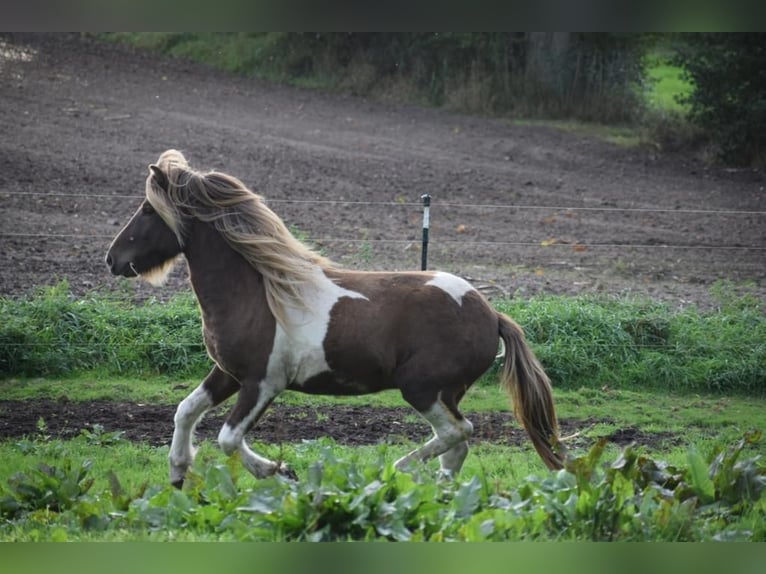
<point>83,490</point>
<point>667,84</point>
<point>683,419</point>
<point>616,364</point>
<point>123,493</point>
<point>640,344</point>
<point>582,341</point>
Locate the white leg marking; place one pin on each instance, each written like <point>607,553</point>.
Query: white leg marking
<point>259,466</point>
<point>452,461</point>
<point>232,439</point>
<point>188,414</point>
<point>456,287</point>
<point>449,432</point>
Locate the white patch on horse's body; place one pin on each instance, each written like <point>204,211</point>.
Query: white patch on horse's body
<point>456,287</point>
<point>300,350</point>
<point>297,355</point>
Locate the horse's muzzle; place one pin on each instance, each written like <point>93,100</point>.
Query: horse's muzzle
<point>117,268</point>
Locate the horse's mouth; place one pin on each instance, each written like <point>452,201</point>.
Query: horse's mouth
<point>126,270</point>
<point>155,275</point>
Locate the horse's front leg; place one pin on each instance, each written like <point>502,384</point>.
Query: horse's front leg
<point>216,388</point>
<point>252,401</point>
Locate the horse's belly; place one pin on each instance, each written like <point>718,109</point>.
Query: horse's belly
<point>331,383</point>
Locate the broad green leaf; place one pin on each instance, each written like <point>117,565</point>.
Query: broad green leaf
<point>699,480</point>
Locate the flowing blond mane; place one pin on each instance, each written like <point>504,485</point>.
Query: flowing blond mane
<point>244,221</point>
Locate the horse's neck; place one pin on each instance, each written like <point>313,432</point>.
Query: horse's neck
<point>221,278</point>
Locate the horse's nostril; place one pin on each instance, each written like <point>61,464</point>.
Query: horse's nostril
<point>109,261</point>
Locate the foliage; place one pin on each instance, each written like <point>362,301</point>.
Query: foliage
<point>667,82</point>
<point>586,75</point>
<point>632,498</point>
<point>728,71</point>
<point>583,342</point>
<point>586,342</point>
<point>51,333</point>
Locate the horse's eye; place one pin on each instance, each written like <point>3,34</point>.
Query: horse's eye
<point>147,208</point>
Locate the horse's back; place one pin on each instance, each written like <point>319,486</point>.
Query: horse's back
<point>434,322</point>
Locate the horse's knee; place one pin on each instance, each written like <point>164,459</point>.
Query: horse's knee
<point>192,407</point>
<point>182,413</point>
<point>229,439</point>
<point>466,428</point>
<point>459,431</point>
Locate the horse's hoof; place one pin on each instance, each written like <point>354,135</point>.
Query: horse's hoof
<point>179,484</point>
<point>287,472</point>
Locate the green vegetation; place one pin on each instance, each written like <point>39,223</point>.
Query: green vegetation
<point>669,89</point>
<point>53,333</point>
<point>583,342</point>
<point>729,95</point>
<point>640,344</point>
<point>693,380</point>
<point>54,496</point>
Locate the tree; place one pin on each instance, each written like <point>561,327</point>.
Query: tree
<point>728,71</point>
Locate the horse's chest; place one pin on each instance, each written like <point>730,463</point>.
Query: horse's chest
<point>241,353</point>
<point>299,356</point>
<point>219,350</point>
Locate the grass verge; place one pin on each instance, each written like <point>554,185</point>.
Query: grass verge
<point>582,341</point>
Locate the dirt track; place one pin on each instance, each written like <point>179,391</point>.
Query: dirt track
<point>81,119</point>
<point>349,425</point>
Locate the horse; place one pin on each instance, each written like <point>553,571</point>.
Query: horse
<point>279,316</point>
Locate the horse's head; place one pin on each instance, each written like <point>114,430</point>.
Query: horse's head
<point>146,246</point>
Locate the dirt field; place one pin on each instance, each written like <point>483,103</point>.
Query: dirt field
<point>518,209</point>
<point>348,425</point>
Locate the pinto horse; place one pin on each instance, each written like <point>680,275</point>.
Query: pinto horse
<point>276,316</point>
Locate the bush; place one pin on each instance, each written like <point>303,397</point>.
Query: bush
<point>729,100</point>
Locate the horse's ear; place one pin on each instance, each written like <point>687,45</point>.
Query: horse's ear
<point>159,177</point>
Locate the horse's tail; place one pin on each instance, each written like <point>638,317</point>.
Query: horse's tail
<point>530,392</point>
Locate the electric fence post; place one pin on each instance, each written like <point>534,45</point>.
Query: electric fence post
<point>426,222</point>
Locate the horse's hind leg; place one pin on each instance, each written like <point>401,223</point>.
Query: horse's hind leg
<point>452,461</point>
<point>216,388</point>
<point>449,443</point>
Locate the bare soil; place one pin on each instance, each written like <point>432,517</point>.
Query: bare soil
<point>348,425</point>
<point>81,120</point>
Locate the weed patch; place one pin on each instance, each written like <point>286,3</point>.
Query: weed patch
<point>633,497</point>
